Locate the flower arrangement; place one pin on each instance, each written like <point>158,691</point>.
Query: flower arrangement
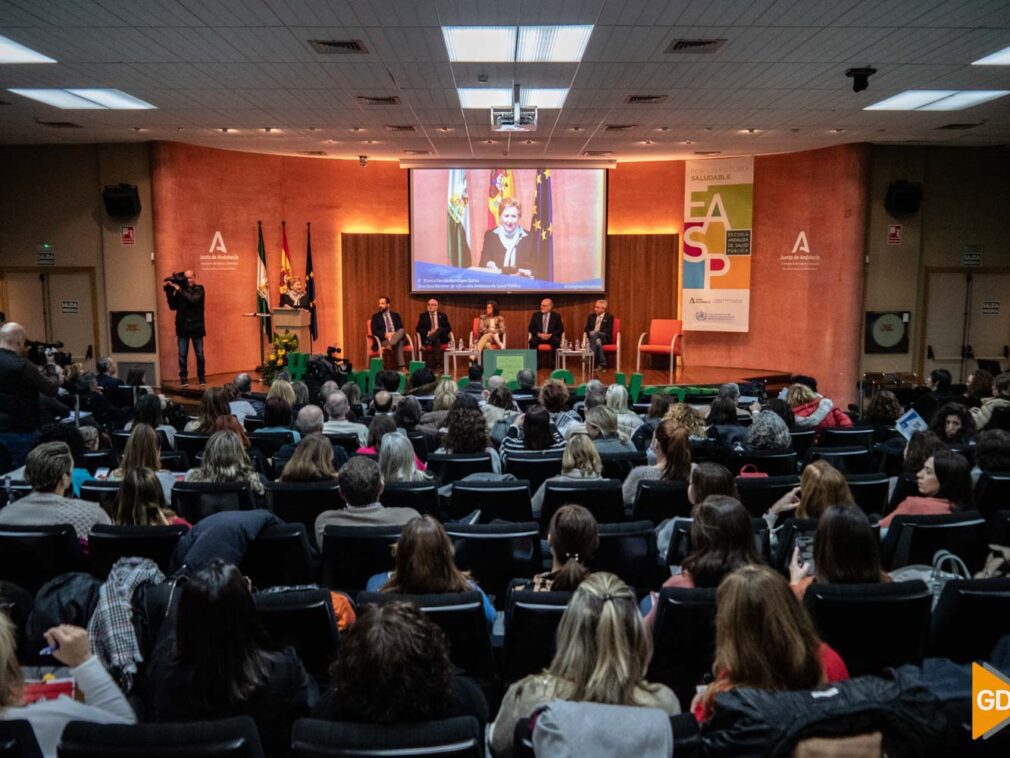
<point>282,346</point>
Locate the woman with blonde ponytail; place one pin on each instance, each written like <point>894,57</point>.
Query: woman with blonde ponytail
<point>603,652</point>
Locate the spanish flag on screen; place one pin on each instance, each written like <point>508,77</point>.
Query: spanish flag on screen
<point>459,219</point>
<point>499,188</point>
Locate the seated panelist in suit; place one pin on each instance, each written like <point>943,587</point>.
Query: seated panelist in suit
<point>387,327</point>
<point>599,331</point>
<point>508,247</point>
<point>546,327</point>
<point>295,297</point>
<point>433,326</point>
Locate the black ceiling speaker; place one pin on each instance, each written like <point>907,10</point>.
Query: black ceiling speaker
<point>121,200</point>
<point>902,198</point>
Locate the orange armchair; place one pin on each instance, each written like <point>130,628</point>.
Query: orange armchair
<point>665,337</point>
<point>373,346</point>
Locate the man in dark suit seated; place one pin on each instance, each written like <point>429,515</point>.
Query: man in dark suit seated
<point>387,328</point>
<point>309,421</point>
<point>600,331</point>
<point>545,327</point>
<point>433,326</point>
<point>107,378</point>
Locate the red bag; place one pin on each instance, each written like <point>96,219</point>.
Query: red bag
<point>750,471</point>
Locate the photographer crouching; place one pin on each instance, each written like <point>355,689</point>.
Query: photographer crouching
<point>185,297</point>
<point>21,382</point>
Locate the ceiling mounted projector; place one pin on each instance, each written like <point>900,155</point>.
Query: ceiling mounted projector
<point>513,118</point>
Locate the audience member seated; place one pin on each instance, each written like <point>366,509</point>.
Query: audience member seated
<point>398,461</point>
<point>442,400</point>
<point>475,374</point>
<point>105,412</point>
<point>141,501</point>
<point>408,415</point>
<point>240,407</point>
<point>143,451</point>
<point>466,432</point>
<point>617,401</point>
<point>360,486</point>
<point>243,383</point>
<point>48,471</point>
<point>580,460</point>
<point>768,432</point>
<point>765,640</point>
<point>107,375</point>
<point>381,426</point>
<point>978,389</point>
<point>944,484</point>
<point>573,538</point>
<point>301,396</point>
<point>72,372</point>
<point>277,417</point>
<point>658,406</point>
<point>310,424</point>
<point>1000,399</point>
<point>938,386</point>
<point>954,424</point>
<point>783,410</point>
<point>821,485</point>
<point>707,478</point>
<point>283,389</point>
<point>846,551</point>
<point>229,423</point>
<point>218,662</point>
<point>686,417</point>
<point>393,667</point>
<point>382,403</point>
<point>353,393</point>
<point>531,431</point>
<point>225,460</point>
<point>992,452</point>
<point>312,460</point>
<point>499,405</point>
<point>421,382</point>
<point>673,460</point>
<point>723,425</point>
<point>99,700</point>
<point>722,540</point>
<point>148,411</point>
<point>601,426</point>
<point>54,408</point>
<point>425,565</point>
<point>882,411</point>
<point>214,403</point>
<point>76,441</point>
<point>527,380</point>
<point>603,652</point>
<point>554,397</point>
<point>814,411</point>
<point>337,407</point>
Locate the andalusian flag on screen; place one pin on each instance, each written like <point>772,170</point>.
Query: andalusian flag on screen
<point>459,219</point>
<point>542,229</point>
<point>263,286</point>
<point>310,284</point>
<point>285,259</point>
<point>499,188</point>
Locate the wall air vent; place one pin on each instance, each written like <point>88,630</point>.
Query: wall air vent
<point>645,99</point>
<point>381,100</point>
<point>619,127</point>
<point>695,46</point>
<point>339,46</point>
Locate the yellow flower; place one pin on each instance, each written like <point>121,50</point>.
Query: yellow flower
<point>281,351</point>
<point>273,357</point>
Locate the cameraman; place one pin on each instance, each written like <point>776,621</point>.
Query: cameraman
<point>20,385</point>
<point>185,297</point>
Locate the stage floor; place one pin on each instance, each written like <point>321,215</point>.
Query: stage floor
<point>691,375</point>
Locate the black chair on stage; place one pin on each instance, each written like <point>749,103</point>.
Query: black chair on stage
<point>228,738</point>
<point>107,543</point>
<point>660,499</point>
<point>280,556</point>
<point>683,640</point>
<point>196,500</point>
<point>421,496</point>
<point>531,625</point>
<point>535,467</point>
<point>353,554</point>
<point>771,462</point>
<point>629,551</point>
<point>32,555</point>
<point>458,737</point>
<point>505,501</point>
<point>451,467</point>
<point>601,497</point>
<point>758,494</point>
<point>302,502</point>
<point>496,553</point>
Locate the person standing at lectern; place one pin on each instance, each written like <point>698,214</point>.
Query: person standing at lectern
<point>600,331</point>
<point>546,327</point>
<point>295,297</point>
<point>387,328</point>
<point>433,326</point>
<point>187,302</point>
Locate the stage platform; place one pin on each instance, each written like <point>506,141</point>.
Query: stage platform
<point>691,376</point>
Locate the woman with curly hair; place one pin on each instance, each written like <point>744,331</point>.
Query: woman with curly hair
<point>882,410</point>
<point>466,431</point>
<point>954,424</point>
<point>768,432</point>
<point>979,388</point>
<point>683,415</point>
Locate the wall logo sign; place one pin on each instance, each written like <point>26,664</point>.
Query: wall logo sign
<point>217,257</point>
<point>990,701</point>
<point>801,257</point>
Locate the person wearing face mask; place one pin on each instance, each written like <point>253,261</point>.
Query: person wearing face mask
<point>508,247</point>
<point>944,484</point>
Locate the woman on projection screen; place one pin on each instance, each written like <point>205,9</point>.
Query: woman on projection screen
<point>508,248</point>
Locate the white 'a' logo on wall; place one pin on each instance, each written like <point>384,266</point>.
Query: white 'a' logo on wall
<point>801,245</point>
<point>217,244</point>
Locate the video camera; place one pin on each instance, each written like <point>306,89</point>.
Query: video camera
<point>41,353</point>
<point>178,279</point>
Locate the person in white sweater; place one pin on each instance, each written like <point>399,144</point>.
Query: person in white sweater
<point>104,702</point>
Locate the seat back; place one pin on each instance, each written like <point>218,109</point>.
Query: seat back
<point>32,555</point>
<point>17,740</point>
<point>962,627</point>
<point>348,441</point>
<point>869,491</point>
<point>758,494</point>
<point>629,550</point>
<point>660,499</point>
<point>460,616</point>
<point>252,423</point>
<point>507,501</point>
<point>872,626</point>
<point>228,738</point>
<point>1000,419</point>
<point>619,465</point>
<point>496,553</point>
<point>531,625</point>
<point>771,462</point>
<point>848,460</point>
<point>102,492</point>
<point>801,441</point>
<point>108,543</point>
<point>683,640</point>
<point>916,539</point>
<point>421,496</point>
<point>280,556</point>
<point>96,459</point>
<point>451,467</point>
<point>535,467</point>
<point>663,330</point>
<point>119,439</point>
<point>420,444</point>
<point>304,620</point>
<point>855,437</point>
<point>191,443</point>
<point>174,460</point>
<point>302,502</point>
<point>992,492</point>
<point>269,443</point>
<point>458,737</point>
<point>197,500</point>
<point>601,497</point>
<point>353,554</point>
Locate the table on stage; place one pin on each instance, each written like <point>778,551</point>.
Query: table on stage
<point>584,354</point>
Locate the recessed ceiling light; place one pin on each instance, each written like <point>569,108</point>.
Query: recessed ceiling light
<point>548,98</point>
<point>575,128</point>
<point>662,128</point>
<point>331,142</point>
<point>935,100</point>
<point>371,142</point>
<point>139,129</point>
<point>552,44</point>
<point>113,99</point>
<point>688,142</point>
<point>480,44</point>
<point>225,130</point>
<point>527,142</point>
<point>85,99</point>
<point>313,129</point>
<point>15,52</point>
<point>999,58</point>
<point>748,131</point>
<point>837,131</point>
<point>645,142</point>
<point>271,130</point>
<point>445,129</point>
<point>484,97</point>
<point>489,142</point>
<point>357,129</point>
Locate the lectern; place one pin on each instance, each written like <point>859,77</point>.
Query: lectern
<point>296,321</point>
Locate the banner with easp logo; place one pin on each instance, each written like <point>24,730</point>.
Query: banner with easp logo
<point>990,701</point>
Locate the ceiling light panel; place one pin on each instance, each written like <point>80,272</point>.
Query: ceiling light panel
<point>484,97</point>
<point>58,98</point>
<point>999,58</point>
<point>964,99</point>
<point>936,100</point>
<point>113,99</point>
<point>543,98</point>
<point>552,44</point>
<point>15,52</point>
<point>910,100</point>
<point>480,44</point>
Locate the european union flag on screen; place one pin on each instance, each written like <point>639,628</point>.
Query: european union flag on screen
<point>542,229</point>
<point>310,284</point>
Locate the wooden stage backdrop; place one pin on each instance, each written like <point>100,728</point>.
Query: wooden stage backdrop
<point>641,279</point>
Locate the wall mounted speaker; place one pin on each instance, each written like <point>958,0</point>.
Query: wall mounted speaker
<point>121,200</point>
<point>903,198</point>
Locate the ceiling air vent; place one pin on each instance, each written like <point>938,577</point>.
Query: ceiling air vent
<point>339,46</point>
<point>313,153</point>
<point>400,128</point>
<point>417,152</point>
<point>959,127</point>
<point>645,99</point>
<point>619,127</point>
<point>708,152</point>
<point>597,153</point>
<point>60,124</point>
<point>382,100</point>
<point>695,46</point>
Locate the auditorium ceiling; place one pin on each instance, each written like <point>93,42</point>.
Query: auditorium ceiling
<point>242,74</point>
